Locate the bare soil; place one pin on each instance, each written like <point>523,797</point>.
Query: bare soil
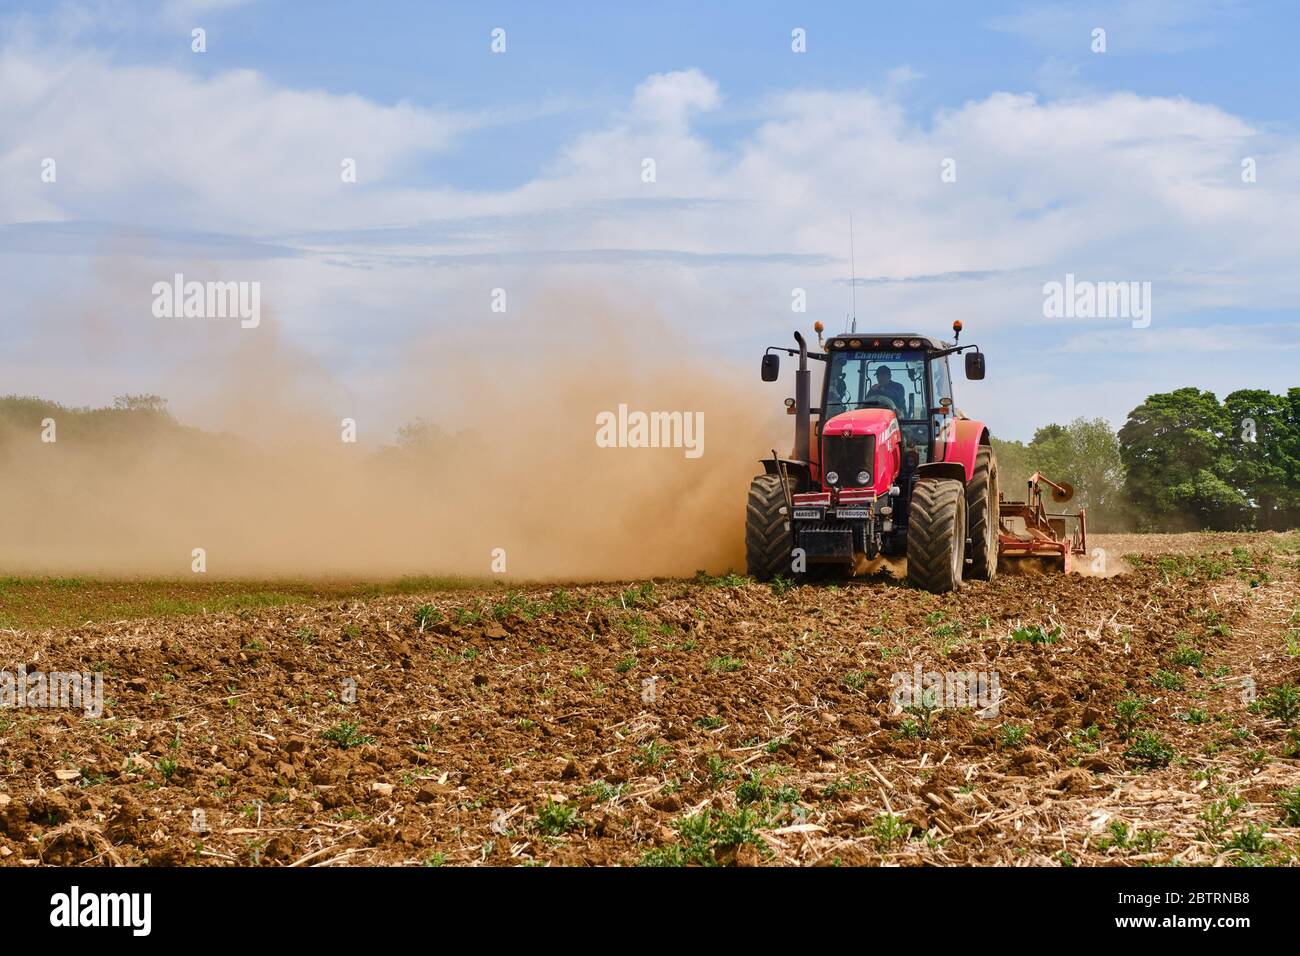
<point>713,721</point>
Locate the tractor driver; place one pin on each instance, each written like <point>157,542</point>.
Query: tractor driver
<point>886,387</point>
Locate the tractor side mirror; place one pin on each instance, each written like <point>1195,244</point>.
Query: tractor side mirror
<point>975,365</point>
<point>771,367</point>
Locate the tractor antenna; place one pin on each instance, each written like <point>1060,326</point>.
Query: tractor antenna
<point>853,277</point>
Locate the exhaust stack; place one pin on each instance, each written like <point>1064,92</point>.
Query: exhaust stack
<point>802,404</point>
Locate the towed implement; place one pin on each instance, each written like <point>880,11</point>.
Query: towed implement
<point>891,468</point>
<point>1028,531</point>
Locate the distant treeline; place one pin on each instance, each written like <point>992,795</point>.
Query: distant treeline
<point>132,426</point>
<point>1183,461</point>
<point>128,414</point>
<point>133,421</point>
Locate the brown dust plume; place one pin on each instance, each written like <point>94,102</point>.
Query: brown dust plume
<point>500,452</point>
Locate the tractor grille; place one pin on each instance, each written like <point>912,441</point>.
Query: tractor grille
<point>831,540</point>
<point>846,455</point>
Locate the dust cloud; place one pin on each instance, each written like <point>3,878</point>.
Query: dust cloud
<point>502,454</point>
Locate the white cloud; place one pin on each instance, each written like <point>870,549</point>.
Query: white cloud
<point>1216,339</point>
<point>1113,188</point>
<point>154,146</point>
<point>670,98</point>
<point>1150,26</point>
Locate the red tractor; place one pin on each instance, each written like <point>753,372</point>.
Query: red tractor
<point>891,467</point>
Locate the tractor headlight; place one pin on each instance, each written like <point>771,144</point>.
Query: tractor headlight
<point>864,477</point>
<point>832,478</point>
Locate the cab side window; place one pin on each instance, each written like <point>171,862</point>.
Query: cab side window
<point>940,384</point>
<point>940,388</point>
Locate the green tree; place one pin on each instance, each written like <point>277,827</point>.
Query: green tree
<point>1090,460</point>
<point>153,404</point>
<point>420,434</point>
<point>1179,465</point>
<point>1085,454</point>
<point>1048,432</point>
<point>1263,439</point>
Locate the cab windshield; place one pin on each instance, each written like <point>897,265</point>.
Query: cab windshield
<point>891,380</point>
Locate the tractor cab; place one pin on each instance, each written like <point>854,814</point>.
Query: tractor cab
<point>905,375</point>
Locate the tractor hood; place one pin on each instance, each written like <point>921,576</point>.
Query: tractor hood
<point>860,450</point>
<point>862,421</point>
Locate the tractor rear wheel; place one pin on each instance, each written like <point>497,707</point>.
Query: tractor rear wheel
<point>767,530</point>
<point>936,535</point>
<point>982,516</point>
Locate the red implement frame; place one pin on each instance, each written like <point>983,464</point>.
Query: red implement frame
<point>1045,532</point>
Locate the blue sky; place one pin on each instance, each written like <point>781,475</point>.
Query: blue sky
<point>582,58</point>
<point>521,171</point>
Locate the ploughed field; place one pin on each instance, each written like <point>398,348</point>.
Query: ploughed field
<point>1149,717</point>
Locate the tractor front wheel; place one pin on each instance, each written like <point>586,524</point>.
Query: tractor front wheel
<point>767,529</point>
<point>936,535</point>
<point>982,509</point>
